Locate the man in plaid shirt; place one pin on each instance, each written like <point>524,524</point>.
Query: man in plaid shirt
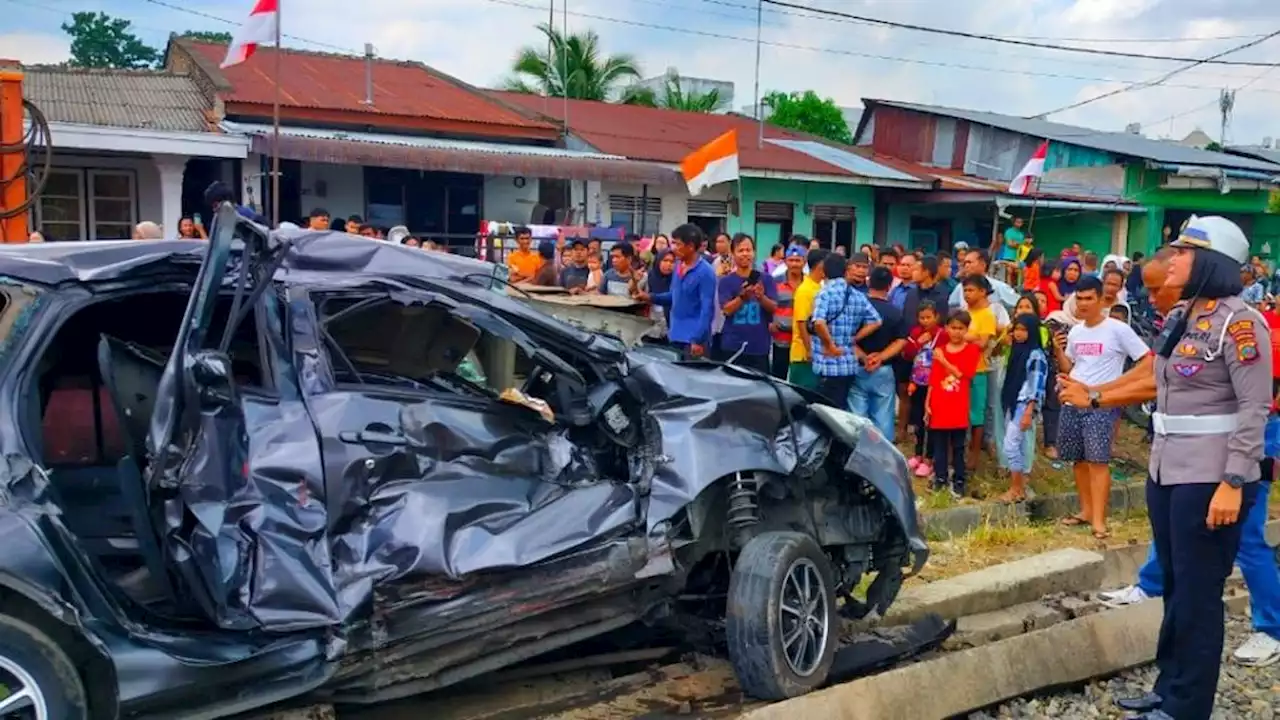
<point>841,317</point>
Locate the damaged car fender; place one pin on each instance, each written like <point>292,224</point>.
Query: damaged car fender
<point>873,457</point>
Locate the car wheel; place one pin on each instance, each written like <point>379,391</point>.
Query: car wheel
<point>780,618</point>
<point>37,679</point>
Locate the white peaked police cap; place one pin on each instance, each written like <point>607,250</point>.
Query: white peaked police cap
<point>1216,233</point>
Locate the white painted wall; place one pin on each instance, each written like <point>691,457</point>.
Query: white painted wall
<point>148,205</point>
<point>675,202</point>
<point>504,202</point>
<point>343,187</point>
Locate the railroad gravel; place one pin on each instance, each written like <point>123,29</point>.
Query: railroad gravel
<point>1243,693</point>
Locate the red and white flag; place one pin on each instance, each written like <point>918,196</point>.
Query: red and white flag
<point>712,164</point>
<point>1031,172</point>
<point>258,29</point>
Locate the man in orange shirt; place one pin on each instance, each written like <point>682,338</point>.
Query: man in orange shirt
<point>524,261</point>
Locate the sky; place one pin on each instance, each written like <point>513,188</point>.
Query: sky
<point>476,40</point>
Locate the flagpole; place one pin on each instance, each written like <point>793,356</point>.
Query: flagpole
<point>275,131</point>
<point>759,108</point>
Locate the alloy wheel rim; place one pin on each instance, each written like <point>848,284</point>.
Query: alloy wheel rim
<point>24,700</point>
<point>803,616</point>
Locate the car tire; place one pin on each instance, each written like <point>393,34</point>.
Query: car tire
<point>30,658</point>
<point>769,603</point>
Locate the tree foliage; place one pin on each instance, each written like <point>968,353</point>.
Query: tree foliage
<point>808,112</point>
<point>222,38</point>
<point>571,66</point>
<point>99,40</point>
<point>674,97</point>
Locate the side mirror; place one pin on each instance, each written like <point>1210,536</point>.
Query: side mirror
<point>213,378</point>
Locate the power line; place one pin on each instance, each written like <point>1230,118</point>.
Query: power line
<point>1211,103</point>
<point>1008,40</point>
<point>1166,76</point>
<point>847,53</point>
<point>987,51</point>
<point>208,16</point>
<point>1014,37</point>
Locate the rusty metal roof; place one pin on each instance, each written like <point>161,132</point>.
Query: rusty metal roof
<point>137,99</point>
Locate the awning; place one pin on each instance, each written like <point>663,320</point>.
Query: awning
<point>445,155</point>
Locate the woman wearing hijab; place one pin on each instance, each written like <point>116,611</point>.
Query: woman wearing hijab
<point>1211,381</point>
<point>1022,398</point>
<point>1071,270</point>
<point>658,282</point>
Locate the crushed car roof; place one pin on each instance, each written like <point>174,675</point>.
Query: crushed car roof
<point>310,251</point>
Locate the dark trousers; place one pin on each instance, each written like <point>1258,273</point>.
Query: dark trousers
<point>1049,415</point>
<point>915,417</point>
<point>948,445</point>
<point>781,361</point>
<point>1195,562</point>
<point>836,389</point>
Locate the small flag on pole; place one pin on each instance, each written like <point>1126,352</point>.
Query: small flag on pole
<point>1031,172</point>
<point>712,164</point>
<point>260,28</point>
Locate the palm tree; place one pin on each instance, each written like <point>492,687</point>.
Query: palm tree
<point>570,66</point>
<point>674,97</point>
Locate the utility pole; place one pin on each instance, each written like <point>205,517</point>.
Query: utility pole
<point>1226,103</point>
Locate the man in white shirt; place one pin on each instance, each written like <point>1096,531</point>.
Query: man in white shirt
<point>1093,354</point>
<point>978,262</point>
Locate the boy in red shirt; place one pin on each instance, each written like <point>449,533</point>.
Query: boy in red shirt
<point>947,406</point>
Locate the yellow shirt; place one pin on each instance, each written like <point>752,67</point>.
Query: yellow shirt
<point>524,263</point>
<point>802,307</point>
<point>982,323</point>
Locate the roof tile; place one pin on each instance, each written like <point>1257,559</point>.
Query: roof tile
<point>138,99</point>
<point>328,81</point>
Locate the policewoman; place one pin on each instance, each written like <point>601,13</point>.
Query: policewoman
<point>1212,390</point>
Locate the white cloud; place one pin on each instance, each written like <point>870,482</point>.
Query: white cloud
<point>35,48</point>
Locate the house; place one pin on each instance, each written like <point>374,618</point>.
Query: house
<point>790,182</point>
<point>1109,191</point>
<point>125,146</point>
<point>397,143</point>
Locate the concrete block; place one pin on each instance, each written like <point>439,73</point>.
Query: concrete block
<point>1237,602</point>
<point>1077,607</point>
<point>1040,616</point>
<point>966,518</point>
<point>1123,498</point>
<point>1120,565</point>
<point>984,628</point>
<point>1067,653</point>
<point>1000,586</point>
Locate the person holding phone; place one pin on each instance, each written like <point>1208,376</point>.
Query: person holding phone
<point>749,298</point>
<point>190,228</point>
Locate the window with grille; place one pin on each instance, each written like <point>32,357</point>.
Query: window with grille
<point>710,215</point>
<point>774,210</point>
<point>641,215</point>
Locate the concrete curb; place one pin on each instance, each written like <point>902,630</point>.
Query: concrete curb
<point>1000,586</point>
<point>1064,654</point>
<point>964,519</point>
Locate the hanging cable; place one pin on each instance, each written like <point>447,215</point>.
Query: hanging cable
<point>36,138</point>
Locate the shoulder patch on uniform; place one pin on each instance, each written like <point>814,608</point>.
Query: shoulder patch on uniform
<point>1187,370</point>
<point>1247,353</point>
<point>1210,306</point>
<point>1245,337</point>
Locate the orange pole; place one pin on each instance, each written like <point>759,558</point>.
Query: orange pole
<point>14,192</point>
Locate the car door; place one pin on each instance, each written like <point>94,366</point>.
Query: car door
<point>235,475</point>
<point>434,480</point>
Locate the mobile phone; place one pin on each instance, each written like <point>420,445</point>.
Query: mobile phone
<point>196,219</point>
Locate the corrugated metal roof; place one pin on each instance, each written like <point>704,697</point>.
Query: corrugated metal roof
<point>137,99</point>
<point>855,164</point>
<point>1118,143</point>
<point>1261,152</point>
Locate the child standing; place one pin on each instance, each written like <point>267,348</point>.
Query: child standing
<point>922,340</point>
<point>955,364</point>
<point>1022,397</point>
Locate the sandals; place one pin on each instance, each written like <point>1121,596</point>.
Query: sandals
<point>1101,534</point>
<point>1074,521</point>
<point>1010,498</point>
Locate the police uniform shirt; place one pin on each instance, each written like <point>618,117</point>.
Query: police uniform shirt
<point>1221,366</point>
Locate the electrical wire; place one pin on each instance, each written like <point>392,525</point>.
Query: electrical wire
<point>848,53</point>
<point>752,8</point>
<point>1025,43</point>
<point>1160,80</point>
<point>208,16</point>
<point>37,137</point>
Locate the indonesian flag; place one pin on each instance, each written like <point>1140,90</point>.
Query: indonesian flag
<point>1032,171</point>
<point>712,164</point>
<point>258,29</point>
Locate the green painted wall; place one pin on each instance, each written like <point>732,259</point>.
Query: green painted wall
<point>1055,230</point>
<point>802,194</point>
<point>1143,186</point>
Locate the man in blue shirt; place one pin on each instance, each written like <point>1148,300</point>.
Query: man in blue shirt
<point>841,317</point>
<point>691,301</point>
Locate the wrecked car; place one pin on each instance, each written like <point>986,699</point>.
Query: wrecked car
<point>253,472</point>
